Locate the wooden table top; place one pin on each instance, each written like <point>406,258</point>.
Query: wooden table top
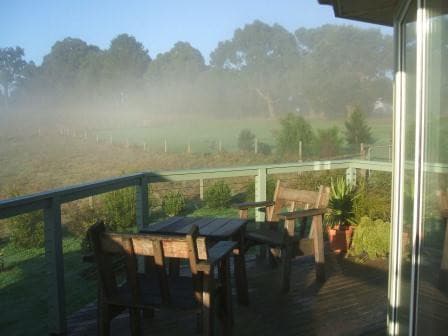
<point>219,228</point>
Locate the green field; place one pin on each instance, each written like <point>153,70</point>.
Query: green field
<point>202,133</point>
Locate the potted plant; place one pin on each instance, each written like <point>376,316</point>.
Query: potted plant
<point>340,216</point>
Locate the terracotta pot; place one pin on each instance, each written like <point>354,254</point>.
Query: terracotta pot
<point>340,239</point>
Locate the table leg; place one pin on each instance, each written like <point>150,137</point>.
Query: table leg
<point>240,272</point>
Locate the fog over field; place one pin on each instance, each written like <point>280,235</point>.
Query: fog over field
<point>263,71</point>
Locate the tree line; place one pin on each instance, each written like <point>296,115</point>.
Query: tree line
<point>262,71</point>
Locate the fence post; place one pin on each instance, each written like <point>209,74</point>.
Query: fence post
<point>300,151</point>
<point>201,189</point>
<point>55,268</point>
<point>260,192</point>
<point>350,176</point>
<point>166,146</point>
<point>220,146</point>
<point>256,146</point>
<point>142,206</point>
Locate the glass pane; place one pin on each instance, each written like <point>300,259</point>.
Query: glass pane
<point>409,69</point>
<point>433,275</point>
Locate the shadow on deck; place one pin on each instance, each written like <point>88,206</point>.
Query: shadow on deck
<point>353,301</point>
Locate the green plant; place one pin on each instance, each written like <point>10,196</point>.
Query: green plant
<point>119,207</point>
<point>371,237</point>
<point>293,130</point>
<point>340,205</point>
<point>27,230</point>
<point>173,203</point>
<point>270,189</point>
<point>218,195</point>
<point>374,197</point>
<point>246,140</point>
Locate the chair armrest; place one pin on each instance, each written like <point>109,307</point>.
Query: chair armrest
<point>302,213</point>
<point>247,205</point>
<point>216,253</point>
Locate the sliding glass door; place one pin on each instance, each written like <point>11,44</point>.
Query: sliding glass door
<point>419,255</point>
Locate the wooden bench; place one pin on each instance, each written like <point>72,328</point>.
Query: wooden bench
<point>201,292</point>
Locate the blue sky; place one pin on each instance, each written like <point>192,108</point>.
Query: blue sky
<point>37,25</point>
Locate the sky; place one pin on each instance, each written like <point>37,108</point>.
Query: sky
<point>37,25</point>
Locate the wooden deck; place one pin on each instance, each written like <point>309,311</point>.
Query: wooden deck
<point>353,301</point>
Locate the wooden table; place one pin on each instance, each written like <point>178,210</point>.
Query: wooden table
<point>214,229</point>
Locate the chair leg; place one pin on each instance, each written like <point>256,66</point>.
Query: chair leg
<point>208,309</point>
<point>104,318</point>
<point>134,319</point>
<point>226,316</point>
<point>286,268</point>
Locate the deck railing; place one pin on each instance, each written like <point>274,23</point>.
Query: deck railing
<point>50,202</point>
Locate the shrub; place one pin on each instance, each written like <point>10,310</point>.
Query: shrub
<point>173,203</point>
<point>294,129</point>
<point>264,148</point>
<point>374,197</point>
<point>328,142</point>
<point>120,212</point>
<point>371,237</point>
<point>27,230</point>
<point>80,217</point>
<point>340,206</point>
<point>246,140</point>
<point>218,195</point>
<point>270,189</point>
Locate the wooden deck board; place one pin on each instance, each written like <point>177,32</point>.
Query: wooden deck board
<point>352,301</point>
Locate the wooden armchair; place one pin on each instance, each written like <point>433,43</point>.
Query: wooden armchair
<point>201,292</point>
<point>283,240</point>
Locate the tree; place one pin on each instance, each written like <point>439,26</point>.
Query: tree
<point>293,130</point>
<point>12,70</point>
<point>344,66</point>
<point>263,56</point>
<point>328,142</point>
<point>61,67</point>
<point>246,140</point>
<point>126,60</point>
<point>356,129</point>
<point>182,62</point>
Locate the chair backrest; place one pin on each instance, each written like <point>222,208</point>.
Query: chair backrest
<point>292,199</point>
<point>107,246</point>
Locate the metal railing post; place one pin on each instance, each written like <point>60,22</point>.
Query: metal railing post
<point>260,191</point>
<point>350,176</point>
<point>142,206</point>
<point>201,189</point>
<point>55,268</point>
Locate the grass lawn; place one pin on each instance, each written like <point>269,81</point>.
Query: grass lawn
<point>23,288</point>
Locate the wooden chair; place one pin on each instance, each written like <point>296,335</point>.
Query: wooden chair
<point>201,292</point>
<point>312,204</point>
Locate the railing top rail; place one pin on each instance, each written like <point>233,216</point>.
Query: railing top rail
<point>14,206</point>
